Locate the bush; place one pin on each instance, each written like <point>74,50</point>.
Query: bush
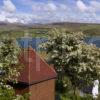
<point>63,85</point>
<point>70,96</point>
<point>9,69</point>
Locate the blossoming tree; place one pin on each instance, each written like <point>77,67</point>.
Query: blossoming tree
<point>9,68</point>
<point>73,58</point>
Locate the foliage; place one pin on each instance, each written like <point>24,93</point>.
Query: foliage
<point>70,96</point>
<point>9,69</point>
<point>73,58</point>
<point>92,32</point>
<point>63,85</point>
<point>9,64</point>
<point>7,93</point>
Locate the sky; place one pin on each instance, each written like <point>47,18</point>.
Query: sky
<point>47,11</point>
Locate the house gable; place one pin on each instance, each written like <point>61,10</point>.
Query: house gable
<point>35,68</point>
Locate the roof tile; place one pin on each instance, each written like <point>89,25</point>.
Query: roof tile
<point>35,68</point>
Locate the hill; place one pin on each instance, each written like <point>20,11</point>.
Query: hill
<point>18,30</point>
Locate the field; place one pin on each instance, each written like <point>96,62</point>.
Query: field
<point>17,30</point>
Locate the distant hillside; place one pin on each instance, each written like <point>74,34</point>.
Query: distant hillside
<point>87,28</point>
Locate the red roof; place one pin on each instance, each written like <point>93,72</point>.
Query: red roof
<point>35,68</point>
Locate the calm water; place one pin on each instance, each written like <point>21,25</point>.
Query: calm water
<point>94,39</point>
<point>33,42</point>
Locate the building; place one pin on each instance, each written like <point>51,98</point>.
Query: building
<point>36,77</point>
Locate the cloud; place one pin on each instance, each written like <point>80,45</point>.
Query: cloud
<point>16,18</point>
<point>2,17</point>
<point>9,6</point>
<point>50,11</point>
<point>63,7</point>
<point>43,6</point>
<point>8,14</point>
<point>81,6</point>
<point>95,5</point>
<point>48,7</point>
<point>51,6</point>
<point>42,12</point>
<point>92,7</point>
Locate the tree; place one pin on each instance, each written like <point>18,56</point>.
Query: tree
<point>73,58</point>
<point>9,68</point>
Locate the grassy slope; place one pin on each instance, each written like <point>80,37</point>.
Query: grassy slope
<point>93,29</point>
<point>14,30</point>
<point>17,31</point>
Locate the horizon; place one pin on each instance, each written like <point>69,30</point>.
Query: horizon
<point>46,11</point>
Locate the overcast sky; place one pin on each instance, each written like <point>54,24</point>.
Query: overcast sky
<point>44,11</point>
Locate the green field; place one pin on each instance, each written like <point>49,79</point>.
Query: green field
<point>16,31</point>
<point>92,29</point>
